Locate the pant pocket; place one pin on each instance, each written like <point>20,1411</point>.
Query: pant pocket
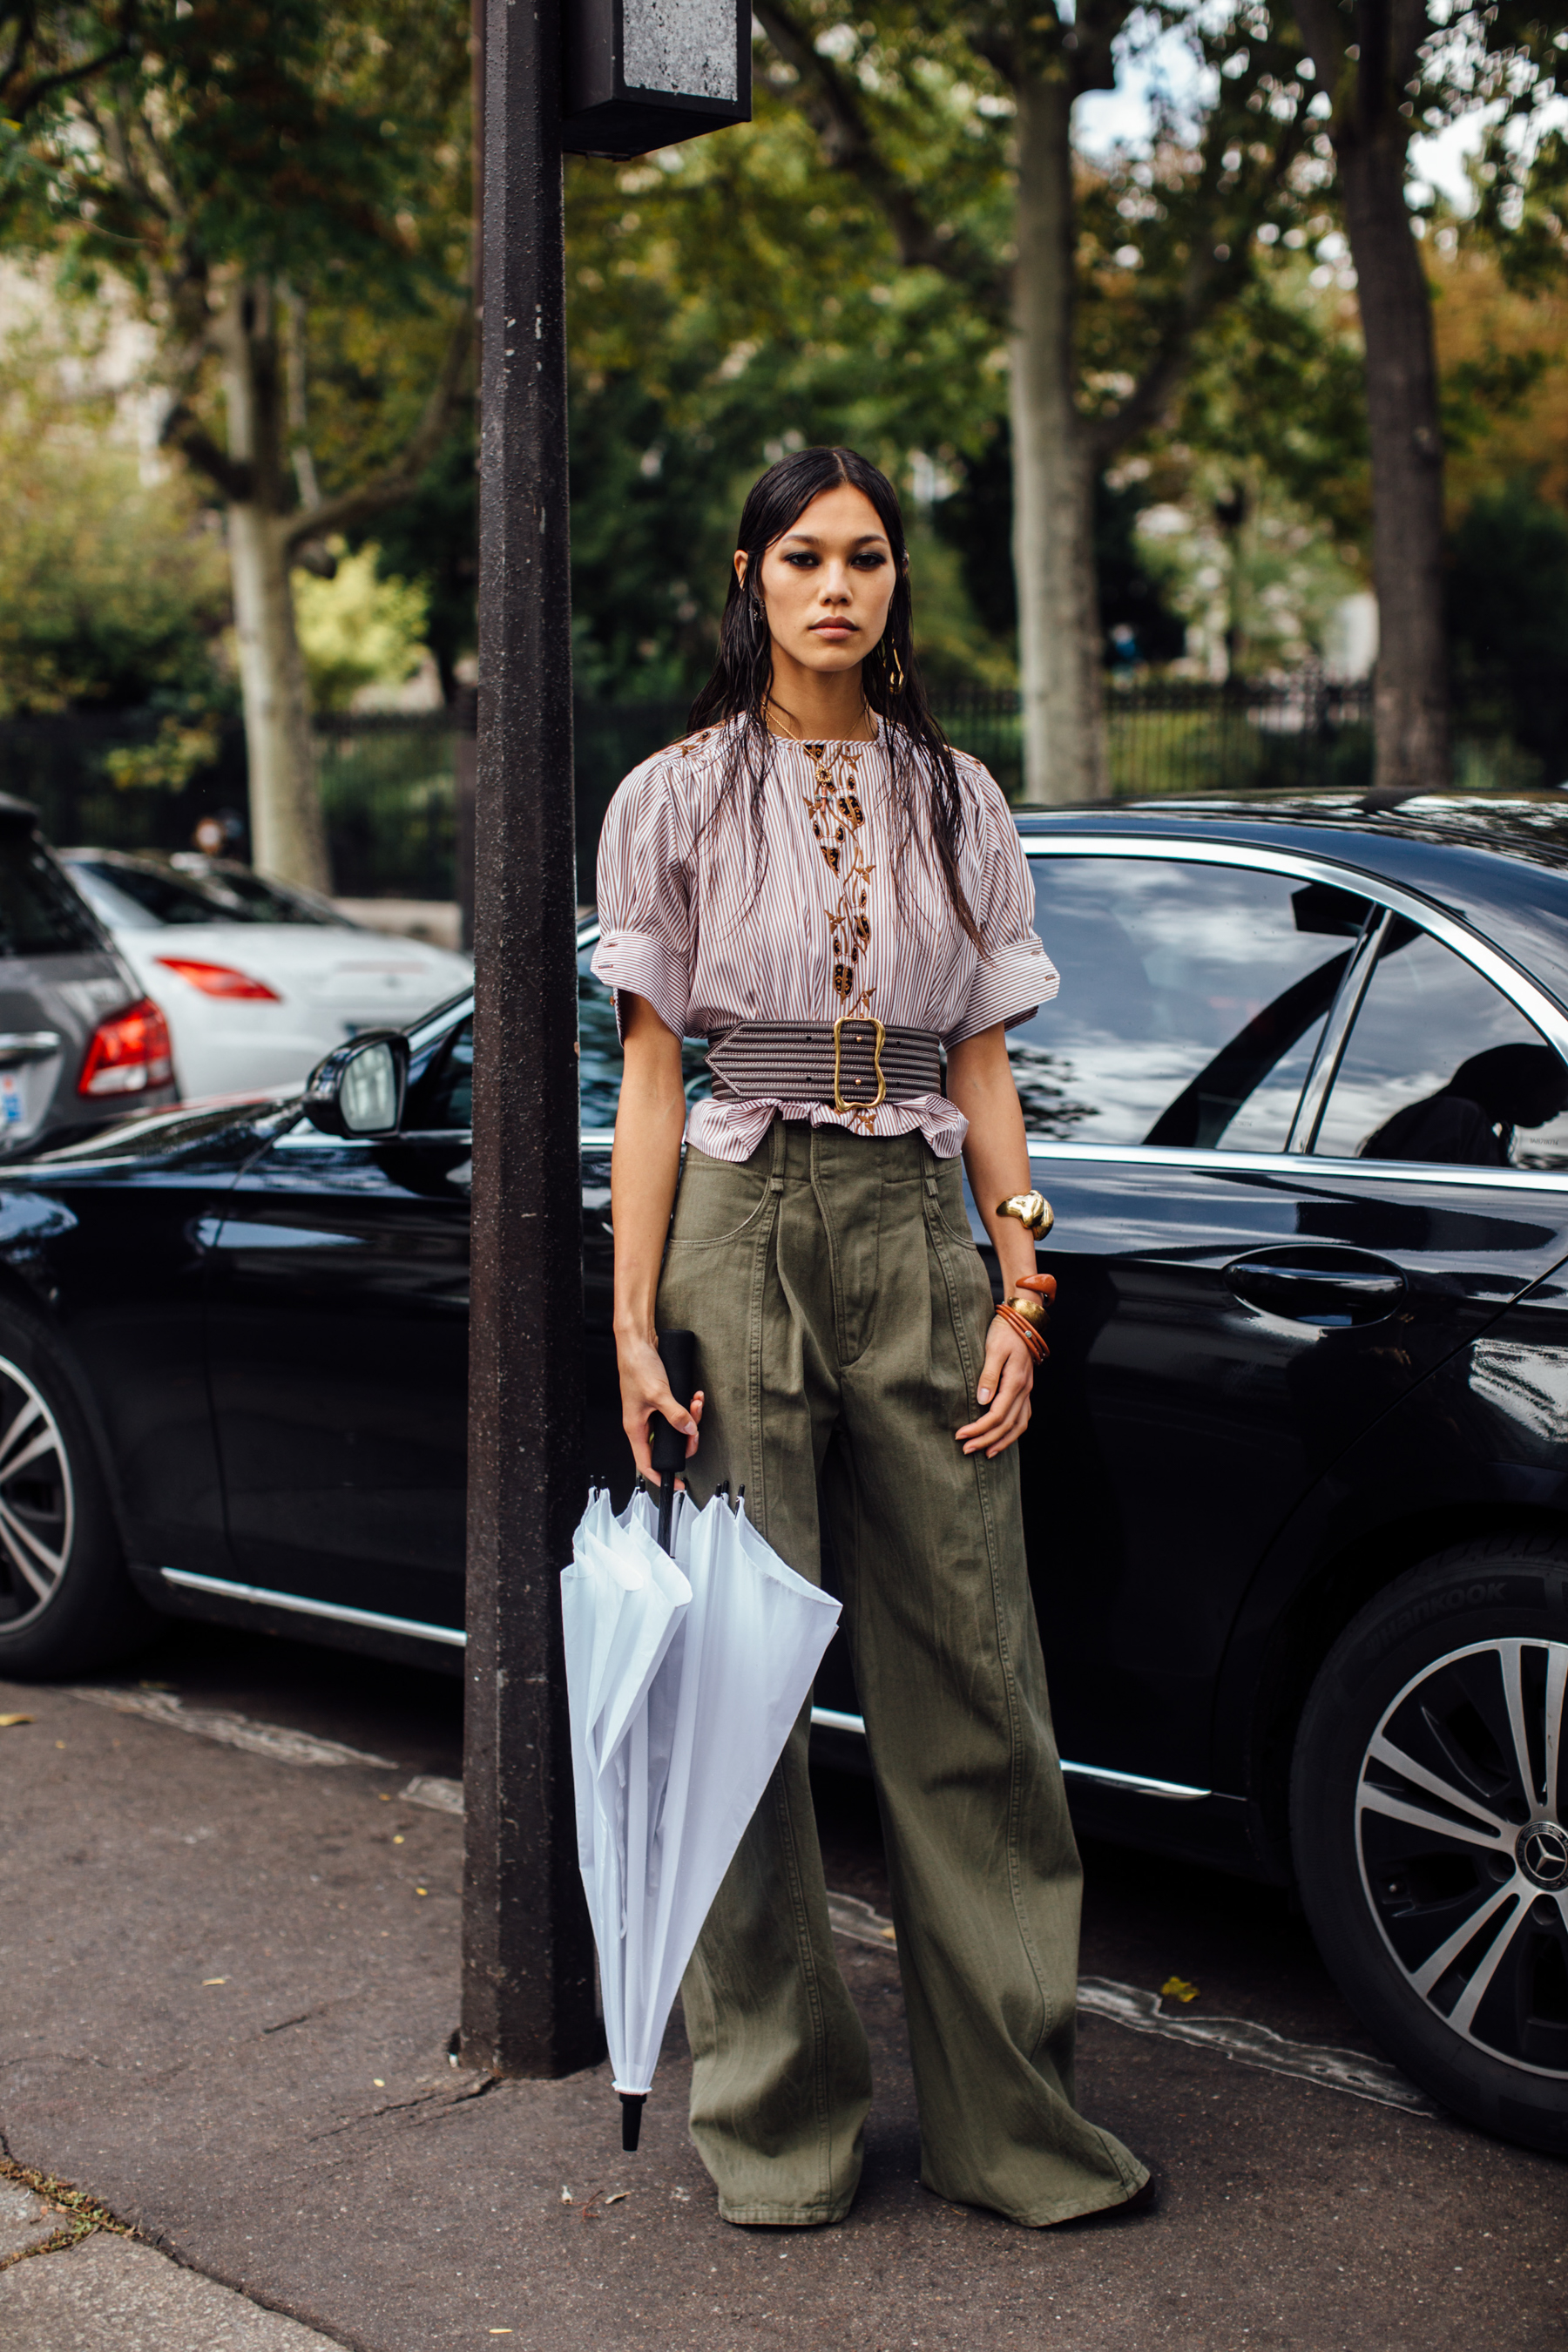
<point>952,1213</point>
<point>717,1203</point>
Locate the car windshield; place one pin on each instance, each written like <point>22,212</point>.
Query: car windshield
<point>39,914</point>
<point>142,898</point>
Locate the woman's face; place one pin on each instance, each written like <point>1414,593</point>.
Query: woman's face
<point>827,583</point>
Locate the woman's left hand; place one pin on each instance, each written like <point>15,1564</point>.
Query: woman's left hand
<point>1005,1383</point>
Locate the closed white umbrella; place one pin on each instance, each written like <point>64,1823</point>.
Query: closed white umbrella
<point>684,1677</point>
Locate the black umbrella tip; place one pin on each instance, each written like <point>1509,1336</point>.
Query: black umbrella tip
<point>632,2105</point>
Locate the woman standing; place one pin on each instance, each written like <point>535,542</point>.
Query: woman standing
<point>815,882</point>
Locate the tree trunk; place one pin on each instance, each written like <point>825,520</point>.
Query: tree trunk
<point>1405,439</point>
<point>288,837</point>
<point>1053,474</point>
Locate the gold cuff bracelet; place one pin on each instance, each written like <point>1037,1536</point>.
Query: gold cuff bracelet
<point>1033,1211</point>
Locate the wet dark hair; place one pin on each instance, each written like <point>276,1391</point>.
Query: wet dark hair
<point>924,774</point>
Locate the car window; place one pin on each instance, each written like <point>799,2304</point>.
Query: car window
<point>248,898</point>
<point>441,1094</point>
<point>41,914</point>
<point>151,897</point>
<point>599,1077</point>
<point>1441,1067</point>
<point>599,1045</point>
<point>1191,1000</point>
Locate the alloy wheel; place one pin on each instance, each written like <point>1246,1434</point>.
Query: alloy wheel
<point>38,1500</point>
<point>1463,1846</point>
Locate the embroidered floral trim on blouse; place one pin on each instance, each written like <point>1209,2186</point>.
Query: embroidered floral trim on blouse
<point>837,819</point>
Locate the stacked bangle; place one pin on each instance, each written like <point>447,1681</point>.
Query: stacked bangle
<point>1032,1338</point>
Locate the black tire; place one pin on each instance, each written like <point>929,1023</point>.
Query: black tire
<point>66,1602</point>
<point>1429,1823</point>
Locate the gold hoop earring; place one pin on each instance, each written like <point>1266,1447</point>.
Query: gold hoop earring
<point>895,670</point>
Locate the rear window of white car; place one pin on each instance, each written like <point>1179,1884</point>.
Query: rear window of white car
<point>150,897</point>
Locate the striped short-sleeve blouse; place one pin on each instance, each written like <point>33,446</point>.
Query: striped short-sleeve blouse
<point>840,924</point>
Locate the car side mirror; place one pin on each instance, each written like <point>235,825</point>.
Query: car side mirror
<point>359,1088</point>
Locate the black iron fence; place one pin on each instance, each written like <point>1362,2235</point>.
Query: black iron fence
<point>112,780</point>
<point>391,793</point>
<point>1166,735</point>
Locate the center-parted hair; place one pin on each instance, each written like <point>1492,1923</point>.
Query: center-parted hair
<point>925,775</point>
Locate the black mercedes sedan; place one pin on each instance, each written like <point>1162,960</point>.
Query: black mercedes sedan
<point>1297,1485</point>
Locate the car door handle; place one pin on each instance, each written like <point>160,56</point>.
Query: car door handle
<point>1329,1289</point>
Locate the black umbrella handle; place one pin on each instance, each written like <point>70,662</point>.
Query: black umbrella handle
<point>666,1446</point>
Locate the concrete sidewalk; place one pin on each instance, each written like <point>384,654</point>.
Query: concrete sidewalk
<point>110,2292</point>
<point>231,1980</point>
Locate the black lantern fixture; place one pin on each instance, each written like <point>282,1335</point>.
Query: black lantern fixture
<point>646,73</point>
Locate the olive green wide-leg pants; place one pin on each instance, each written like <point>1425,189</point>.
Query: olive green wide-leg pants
<point>840,1308</point>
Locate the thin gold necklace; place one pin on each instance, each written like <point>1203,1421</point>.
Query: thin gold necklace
<point>867,714</point>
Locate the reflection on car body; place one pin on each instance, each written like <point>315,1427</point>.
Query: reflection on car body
<point>1473,1121</point>
<point>1295,1490</point>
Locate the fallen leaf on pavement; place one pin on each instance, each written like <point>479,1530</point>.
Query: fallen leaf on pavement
<point>617,2197</point>
<point>9,1722</point>
<point>1178,1989</point>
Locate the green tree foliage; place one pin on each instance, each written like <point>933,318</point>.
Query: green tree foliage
<point>839,271</point>
<point>1508,620</point>
<point>432,537</point>
<point>284,190</point>
<point>109,592</point>
<point>1134,610</point>
<point>113,589</point>
<point>360,627</point>
<point>726,300</point>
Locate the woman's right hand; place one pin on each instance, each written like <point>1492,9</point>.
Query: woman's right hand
<point>645,1390</point>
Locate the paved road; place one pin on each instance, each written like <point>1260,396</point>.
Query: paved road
<point>230,1980</point>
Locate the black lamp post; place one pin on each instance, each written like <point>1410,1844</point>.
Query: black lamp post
<point>616,77</point>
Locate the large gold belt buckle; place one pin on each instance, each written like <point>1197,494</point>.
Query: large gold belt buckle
<point>858,1021</point>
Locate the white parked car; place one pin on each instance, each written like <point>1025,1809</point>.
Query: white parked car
<point>256,979</point>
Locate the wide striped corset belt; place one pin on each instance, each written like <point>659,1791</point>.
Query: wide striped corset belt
<point>853,1064</point>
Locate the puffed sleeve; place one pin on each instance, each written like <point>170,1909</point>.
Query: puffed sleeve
<point>645,938</point>
<point>1014,976</point>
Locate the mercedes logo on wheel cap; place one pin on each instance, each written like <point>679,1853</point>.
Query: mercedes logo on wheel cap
<point>1542,1852</point>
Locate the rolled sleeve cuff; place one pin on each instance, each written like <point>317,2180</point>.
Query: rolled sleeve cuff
<point>634,962</point>
<point>1009,987</point>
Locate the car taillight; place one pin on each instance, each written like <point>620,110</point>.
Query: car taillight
<point>128,1054</point>
<point>218,979</point>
